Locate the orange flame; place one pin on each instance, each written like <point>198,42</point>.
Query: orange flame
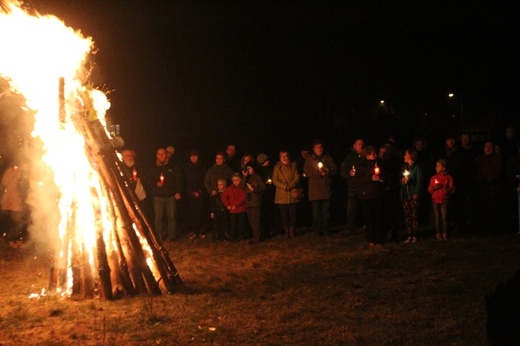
<point>38,51</point>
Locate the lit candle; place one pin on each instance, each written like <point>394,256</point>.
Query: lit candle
<point>320,165</point>
<point>376,170</point>
<point>436,181</point>
<point>406,174</point>
<point>161,178</point>
<point>134,174</point>
<point>353,170</point>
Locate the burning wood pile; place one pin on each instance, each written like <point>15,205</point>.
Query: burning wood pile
<point>123,268</point>
<point>103,243</point>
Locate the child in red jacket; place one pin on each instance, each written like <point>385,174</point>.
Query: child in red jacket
<point>441,188</point>
<point>234,198</point>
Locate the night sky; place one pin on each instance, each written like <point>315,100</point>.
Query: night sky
<point>267,74</point>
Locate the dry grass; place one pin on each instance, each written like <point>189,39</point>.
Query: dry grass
<point>308,291</point>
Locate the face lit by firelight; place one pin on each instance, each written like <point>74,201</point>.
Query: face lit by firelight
<point>161,156</point>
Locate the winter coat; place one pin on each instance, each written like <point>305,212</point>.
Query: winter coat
<point>234,196</point>
<point>285,178</point>
<point>368,188</point>
<point>194,174</point>
<point>253,198</point>
<point>352,159</point>
<point>320,187</point>
<point>172,180</point>
<point>214,173</point>
<point>444,190</point>
<point>415,182</point>
<point>217,206</point>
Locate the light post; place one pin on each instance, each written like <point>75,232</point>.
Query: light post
<point>452,96</point>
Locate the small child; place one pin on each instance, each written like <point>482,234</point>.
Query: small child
<point>219,213</point>
<point>441,188</point>
<point>234,198</point>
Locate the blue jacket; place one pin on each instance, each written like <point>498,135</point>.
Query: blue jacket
<point>414,186</point>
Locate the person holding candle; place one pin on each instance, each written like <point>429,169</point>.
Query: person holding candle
<point>411,187</point>
<point>441,187</point>
<point>320,186</point>
<point>253,184</point>
<point>371,192</point>
<point>348,171</point>
<point>132,172</point>
<point>165,181</point>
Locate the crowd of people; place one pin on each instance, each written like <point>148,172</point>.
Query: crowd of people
<point>461,187</point>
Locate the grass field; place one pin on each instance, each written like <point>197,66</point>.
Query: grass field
<point>307,291</point>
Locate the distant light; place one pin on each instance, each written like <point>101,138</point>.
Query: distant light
<point>451,94</point>
<point>382,101</point>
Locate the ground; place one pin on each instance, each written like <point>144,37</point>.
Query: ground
<point>307,291</point>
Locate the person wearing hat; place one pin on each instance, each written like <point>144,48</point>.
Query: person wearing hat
<point>319,169</point>
<point>170,151</point>
<point>254,186</point>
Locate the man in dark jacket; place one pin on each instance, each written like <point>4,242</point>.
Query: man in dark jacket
<point>348,171</point>
<point>165,181</point>
<point>194,174</point>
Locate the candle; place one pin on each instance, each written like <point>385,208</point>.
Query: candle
<point>436,181</point>
<point>353,170</point>
<point>376,170</point>
<point>134,174</point>
<point>161,178</point>
<point>406,174</point>
<point>320,165</point>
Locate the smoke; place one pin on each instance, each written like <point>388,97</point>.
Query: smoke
<point>17,146</point>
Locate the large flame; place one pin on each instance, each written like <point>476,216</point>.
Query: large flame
<point>37,52</point>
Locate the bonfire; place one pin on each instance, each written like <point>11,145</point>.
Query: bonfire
<point>80,198</point>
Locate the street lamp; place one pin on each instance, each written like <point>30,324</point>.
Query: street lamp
<point>452,96</point>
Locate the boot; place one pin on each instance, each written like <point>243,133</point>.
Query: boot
<point>291,232</point>
<point>445,236</point>
<point>439,236</point>
<point>287,234</point>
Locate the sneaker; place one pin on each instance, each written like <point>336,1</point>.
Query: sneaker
<point>408,240</point>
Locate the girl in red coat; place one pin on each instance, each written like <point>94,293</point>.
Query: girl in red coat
<point>441,188</point>
<point>234,198</point>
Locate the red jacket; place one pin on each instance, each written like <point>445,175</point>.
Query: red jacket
<point>234,196</point>
<point>445,187</point>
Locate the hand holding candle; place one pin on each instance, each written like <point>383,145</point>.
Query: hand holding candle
<point>376,169</point>
<point>161,179</point>
<point>134,175</point>
<point>406,175</point>
<point>320,165</point>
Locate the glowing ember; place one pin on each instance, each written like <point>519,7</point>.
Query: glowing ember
<point>44,60</point>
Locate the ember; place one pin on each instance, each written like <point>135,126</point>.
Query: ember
<point>104,244</point>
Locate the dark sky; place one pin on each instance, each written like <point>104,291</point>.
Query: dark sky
<point>266,74</point>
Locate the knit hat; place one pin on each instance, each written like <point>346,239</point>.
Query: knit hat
<point>236,175</point>
<point>170,149</point>
<point>261,158</point>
